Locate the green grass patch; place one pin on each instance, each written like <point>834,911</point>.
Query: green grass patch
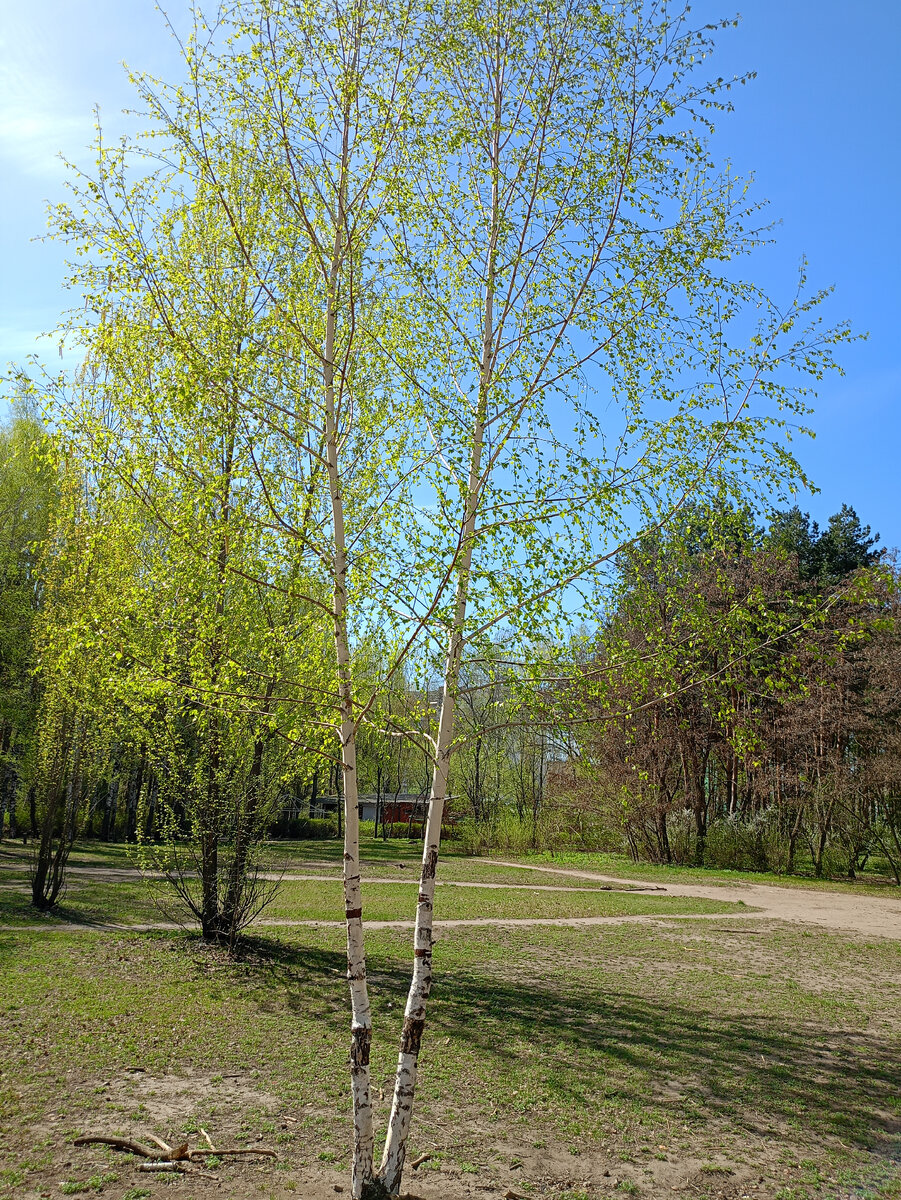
<point>387,858</point>
<point>621,866</point>
<point>611,1040</point>
<point>389,902</point>
<point>92,900</point>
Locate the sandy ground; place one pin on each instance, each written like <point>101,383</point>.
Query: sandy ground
<point>873,916</point>
<point>523,1171</point>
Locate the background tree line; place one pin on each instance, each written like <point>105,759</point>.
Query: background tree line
<point>742,707</point>
<point>737,706</point>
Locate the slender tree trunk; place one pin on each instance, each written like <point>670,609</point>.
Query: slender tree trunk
<point>58,831</point>
<point>209,840</point>
<point>109,812</point>
<point>232,905</point>
<point>362,1181</point>
<point>43,894</point>
<point>663,834</point>
<point>133,795</point>
<point>150,817</point>
<point>378,794</point>
<point>361,1018</point>
<point>6,777</point>
<point>693,770</point>
<point>793,840</point>
<point>392,1165</point>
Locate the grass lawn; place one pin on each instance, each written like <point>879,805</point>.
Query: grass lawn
<point>718,1058</point>
<point>136,902</point>
<point>621,866</point>
<point>386,858</point>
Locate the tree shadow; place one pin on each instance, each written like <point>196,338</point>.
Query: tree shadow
<point>585,1044</point>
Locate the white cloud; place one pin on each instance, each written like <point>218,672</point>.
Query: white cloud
<point>58,59</point>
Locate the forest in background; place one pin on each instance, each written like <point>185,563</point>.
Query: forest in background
<point>735,706</point>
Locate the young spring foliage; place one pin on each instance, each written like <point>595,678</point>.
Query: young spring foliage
<point>403,317</point>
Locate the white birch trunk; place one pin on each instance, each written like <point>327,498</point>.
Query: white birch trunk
<point>392,1165</point>
<point>361,1016</point>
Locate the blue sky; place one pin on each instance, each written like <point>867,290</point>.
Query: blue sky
<point>818,127</point>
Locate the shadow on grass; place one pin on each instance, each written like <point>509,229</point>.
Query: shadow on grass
<point>665,1058</point>
<point>17,910</point>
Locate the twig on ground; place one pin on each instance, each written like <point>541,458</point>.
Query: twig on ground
<point>206,1138</point>
<point>164,1146</point>
<point>166,1155</point>
<point>232,1153</point>
<point>118,1143</point>
<point>420,1159</point>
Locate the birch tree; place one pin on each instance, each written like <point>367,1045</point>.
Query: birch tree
<point>77,574</point>
<point>285,143</point>
<point>592,358</point>
<point>496,324</point>
<point>27,491</point>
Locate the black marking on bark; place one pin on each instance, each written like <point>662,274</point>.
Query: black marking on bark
<point>422,953</point>
<point>424,899</point>
<point>375,1189</point>
<point>430,864</point>
<point>360,1041</point>
<point>411,1037</point>
<point>351,913</point>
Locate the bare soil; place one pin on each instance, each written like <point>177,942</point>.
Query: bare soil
<point>872,916</point>
<point>549,1170</point>
<point>480,1155</point>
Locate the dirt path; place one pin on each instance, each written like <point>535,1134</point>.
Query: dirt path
<point>871,916</point>
<point>453,923</point>
<point>126,874</point>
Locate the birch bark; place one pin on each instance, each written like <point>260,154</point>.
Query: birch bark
<point>391,1169</point>
<point>361,1016</point>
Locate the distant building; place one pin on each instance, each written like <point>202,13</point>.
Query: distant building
<point>390,808</point>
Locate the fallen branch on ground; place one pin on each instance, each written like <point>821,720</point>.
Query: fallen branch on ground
<point>118,1143</point>
<point>165,1155</point>
<point>231,1153</point>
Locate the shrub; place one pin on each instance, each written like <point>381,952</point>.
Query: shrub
<point>748,844</point>
<point>305,829</point>
<point>558,826</point>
